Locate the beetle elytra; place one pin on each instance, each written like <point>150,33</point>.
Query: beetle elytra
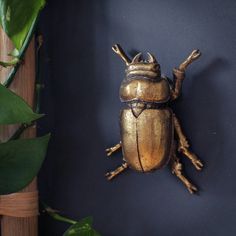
<point>148,126</point>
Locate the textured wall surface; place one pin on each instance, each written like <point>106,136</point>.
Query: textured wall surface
<point>82,78</point>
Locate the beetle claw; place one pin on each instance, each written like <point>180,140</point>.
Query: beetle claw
<point>195,54</point>
<point>198,164</point>
<point>109,175</point>
<point>194,159</point>
<point>109,151</point>
<point>191,188</point>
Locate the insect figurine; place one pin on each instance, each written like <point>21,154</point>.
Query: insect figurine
<point>148,126</point>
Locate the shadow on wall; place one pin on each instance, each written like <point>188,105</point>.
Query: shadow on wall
<point>205,96</point>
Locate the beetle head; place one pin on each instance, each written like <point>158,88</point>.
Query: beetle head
<point>143,82</point>
<point>146,68</point>
<point>138,67</point>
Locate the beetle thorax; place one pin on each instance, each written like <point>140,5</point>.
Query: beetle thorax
<point>143,82</point>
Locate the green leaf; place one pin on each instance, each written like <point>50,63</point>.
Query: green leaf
<point>78,228</point>
<point>87,220</point>
<point>20,161</point>
<point>74,230</point>
<point>17,17</point>
<point>82,228</point>
<point>13,109</point>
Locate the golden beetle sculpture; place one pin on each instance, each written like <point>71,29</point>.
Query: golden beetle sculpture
<point>148,125</point>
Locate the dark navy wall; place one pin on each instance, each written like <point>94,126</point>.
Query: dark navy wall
<point>82,77</point>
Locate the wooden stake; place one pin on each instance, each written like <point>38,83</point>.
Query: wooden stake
<point>23,85</point>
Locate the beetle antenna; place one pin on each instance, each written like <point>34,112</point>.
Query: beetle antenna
<point>118,50</point>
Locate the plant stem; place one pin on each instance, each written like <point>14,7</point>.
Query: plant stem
<point>22,51</point>
<point>53,213</point>
<point>38,85</point>
<point>62,218</point>
<point>19,131</point>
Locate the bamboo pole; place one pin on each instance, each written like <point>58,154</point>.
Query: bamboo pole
<point>23,85</point>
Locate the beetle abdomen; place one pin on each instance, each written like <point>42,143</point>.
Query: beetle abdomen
<point>147,139</point>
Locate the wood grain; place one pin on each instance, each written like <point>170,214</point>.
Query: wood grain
<point>23,85</point>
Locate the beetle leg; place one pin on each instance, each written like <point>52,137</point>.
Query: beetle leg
<point>183,145</point>
<point>118,50</point>
<point>177,169</point>
<point>110,150</point>
<point>194,159</point>
<point>179,73</point>
<point>195,54</point>
<point>110,175</point>
<point>178,76</point>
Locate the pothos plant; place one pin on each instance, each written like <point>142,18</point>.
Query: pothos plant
<point>21,159</point>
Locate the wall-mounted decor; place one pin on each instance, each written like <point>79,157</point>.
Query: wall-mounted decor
<point>148,125</point>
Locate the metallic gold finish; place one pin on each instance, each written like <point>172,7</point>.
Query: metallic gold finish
<point>145,90</point>
<point>147,138</point>
<point>148,125</point>
<point>183,145</point>
<point>118,50</point>
<point>195,54</point>
<point>177,169</point>
<point>149,70</point>
<point>117,171</point>
<point>179,74</point>
<point>138,67</point>
<point>149,74</point>
<point>110,150</point>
